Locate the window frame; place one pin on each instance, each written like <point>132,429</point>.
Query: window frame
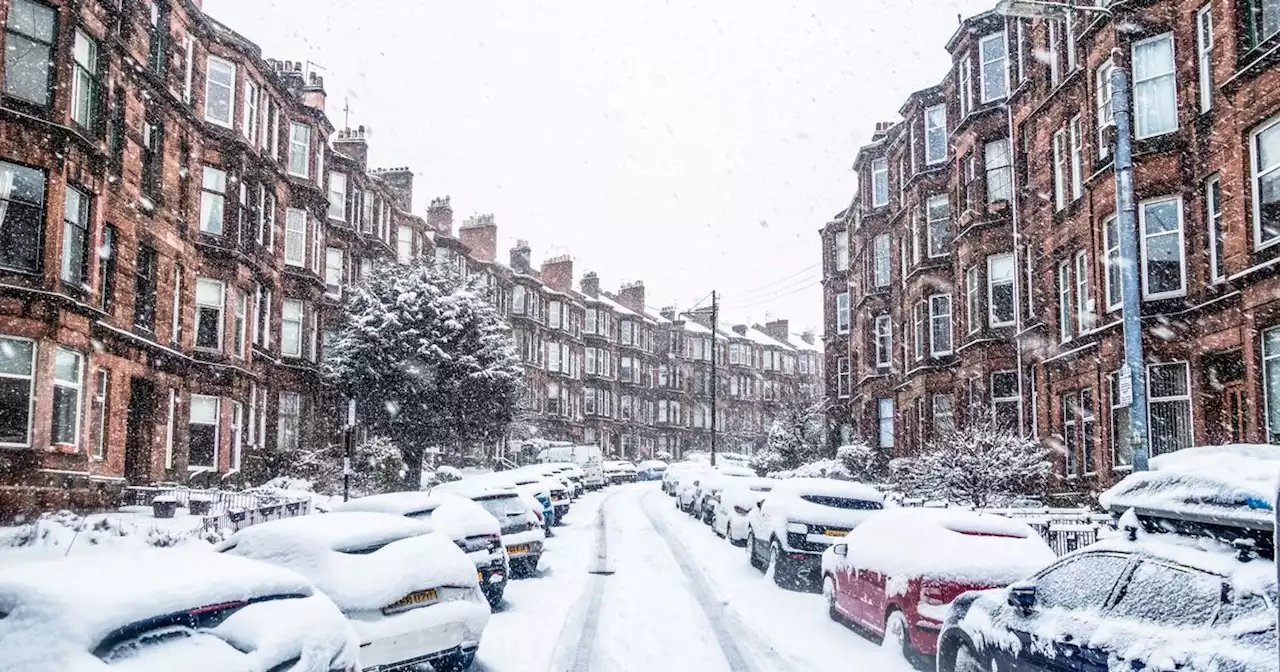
<point>882,260</point>
<point>1002,60</point>
<point>74,271</point>
<point>973,298</point>
<point>1172,75</point>
<point>991,284</point>
<point>936,315</point>
<point>285,306</point>
<point>212,200</point>
<point>221,319</point>
<point>30,377</point>
<point>843,374</point>
<point>1186,398</point>
<point>1256,174</point>
<point>1180,246</point>
<point>77,388</point>
<point>1204,57</point>
<point>940,239</point>
<point>1213,224</point>
<point>1076,144</point>
<point>882,339</point>
<point>1060,169</point>
<point>938,129</point>
<point>299,147</point>
<point>1085,319</point>
<point>843,320</point>
<point>1104,103</point>
<point>1005,170</point>
<point>216,424</point>
<point>879,179</point>
<point>1112,263</point>
<point>50,48</point>
<point>86,75</point>
<point>295,237</point>
<point>1065,290</point>
<point>230,89</point>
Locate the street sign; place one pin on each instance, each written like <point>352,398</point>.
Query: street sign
<point>1124,388</point>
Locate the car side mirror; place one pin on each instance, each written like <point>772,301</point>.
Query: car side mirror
<point>1023,596</point>
<point>840,549</point>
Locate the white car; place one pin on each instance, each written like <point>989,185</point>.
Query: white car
<point>574,473</point>
<point>472,528</point>
<point>554,473</point>
<point>736,500</point>
<point>799,519</point>
<point>619,471</point>
<point>687,487</point>
<point>520,517</point>
<point>167,609</point>
<point>534,483</point>
<point>411,594</point>
<point>588,458</point>
<point>710,486</point>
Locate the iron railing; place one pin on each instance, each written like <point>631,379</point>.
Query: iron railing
<point>228,510</point>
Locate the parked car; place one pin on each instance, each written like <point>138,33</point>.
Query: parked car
<point>554,473</point>
<point>588,458</point>
<point>619,471</point>
<point>675,472</point>
<point>1190,584</point>
<point>897,572</point>
<point>799,519</point>
<point>708,490</point>
<point>410,592</point>
<point>470,527</point>
<point>168,609</point>
<point>736,500</point>
<point>534,482</point>
<point>522,528</point>
<point>651,470</point>
<point>575,475</point>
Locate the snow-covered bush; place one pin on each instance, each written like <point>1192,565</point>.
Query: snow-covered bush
<point>428,360</point>
<point>767,462</point>
<point>376,464</point>
<point>862,462</point>
<point>444,474</point>
<point>662,455</point>
<point>981,465</point>
<point>818,469</point>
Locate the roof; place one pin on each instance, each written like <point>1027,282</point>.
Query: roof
<point>761,338</point>
<point>615,306</point>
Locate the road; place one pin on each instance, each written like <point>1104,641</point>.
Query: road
<point>630,583</point>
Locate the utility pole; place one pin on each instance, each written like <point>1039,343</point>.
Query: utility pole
<point>349,442</point>
<point>715,316</point>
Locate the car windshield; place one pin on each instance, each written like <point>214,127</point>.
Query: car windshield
<point>503,507</point>
<point>843,502</point>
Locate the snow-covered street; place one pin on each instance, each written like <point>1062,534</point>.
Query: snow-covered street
<point>678,598</point>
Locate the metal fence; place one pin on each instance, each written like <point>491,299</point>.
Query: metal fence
<point>227,510</point>
<point>1065,530</point>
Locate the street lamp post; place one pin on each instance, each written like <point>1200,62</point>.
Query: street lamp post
<point>1133,378</point>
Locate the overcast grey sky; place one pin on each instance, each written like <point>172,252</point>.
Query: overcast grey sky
<point>692,145</point>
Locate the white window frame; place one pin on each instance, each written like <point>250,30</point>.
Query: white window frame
<point>882,336</point>
<point>973,297</point>
<point>1112,264</point>
<point>1065,289</point>
<point>998,64</point>
<point>938,245</point>
<point>1085,319</point>
<point>997,159</point>
<point>1059,169</point>
<point>217,426</point>
<point>991,284</point>
<point>295,237</point>
<point>295,414</point>
<point>189,44</point>
<point>1213,222</point>
<point>220,306</point>
<point>230,88</point>
<point>1204,56</point>
<point>1257,173</point>
<point>842,313</point>
<point>240,321</point>
<point>209,196</point>
<point>175,317</point>
<point>842,251</point>
<point>333,272</point>
<point>237,434</point>
<point>965,87</point>
<point>77,388</point>
<point>935,127</point>
<point>940,312</point>
<point>882,261</point>
<point>1077,157</point>
<point>885,421</point>
<point>1270,355</point>
<point>1181,247</point>
<point>1186,398</point>
<point>252,98</point>
<point>879,182</point>
<point>285,309</point>
<point>337,196</point>
<point>1139,132</point>
<point>843,374</point>
<point>299,148</point>
<point>1055,65</point>
<point>1104,107</point>
<point>169,428</point>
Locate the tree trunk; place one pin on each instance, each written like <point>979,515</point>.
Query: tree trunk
<point>413,453</point>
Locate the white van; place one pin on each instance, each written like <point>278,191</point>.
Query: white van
<point>588,458</point>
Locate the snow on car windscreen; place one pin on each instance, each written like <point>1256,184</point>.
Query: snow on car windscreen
<point>503,507</point>
<point>843,502</point>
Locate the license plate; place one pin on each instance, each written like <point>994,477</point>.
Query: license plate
<point>836,533</point>
<point>480,577</point>
<point>410,601</point>
<point>520,548</point>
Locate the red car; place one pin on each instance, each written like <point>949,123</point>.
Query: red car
<point>897,573</point>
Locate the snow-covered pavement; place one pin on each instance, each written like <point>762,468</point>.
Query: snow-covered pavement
<point>678,598</point>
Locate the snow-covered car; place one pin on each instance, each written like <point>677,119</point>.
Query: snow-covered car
<point>534,483</point>
<point>651,470</point>
<point>470,527</point>
<point>1189,584</point>
<point>707,492</point>
<point>574,473</point>
<point>588,458</point>
<point>619,471</point>
<point>896,574</point>
<point>676,472</point>
<point>168,609</point>
<point>410,592</point>
<point>522,533</point>
<point>736,500</point>
<point>554,473</point>
<point>799,519</point>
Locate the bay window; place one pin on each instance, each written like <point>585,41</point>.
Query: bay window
<point>288,421</point>
<point>1105,115</point>
<point>213,188</point>
<point>999,167</point>
<point>935,134</point>
<point>1213,217</point>
<point>29,41</point>
<point>1270,383</point>
<point>938,215</point>
<point>404,244</point>
<point>291,328</point>
<point>241,323</point>
<point>1111,240</point>
<point>940,325</point>
<point>1163,248</point>
<point>883,340</point>
<point>973,298</point>
<point>879,182</point>
<point>295,237</point>
<point>333,272</point>
<point>884,422</point>
<point>1204,55</point>
<point>1000,290</point>
<point>1059,169</point>
<point>882,250</point>
<point>995,70</point>
<point>75,237</point>
<point>84,83</point>
<point>1064,301</point>
<point>202,452</point>
<point>1005,400</point>
<point>1155,105</point>
<point>965,87</point>
<point>842,313</point>
<point>100,409</point>
<point>943,415</point>
<point>842,377</point>
<point>22,192</point>
<point>249,124</point>
<point>1084,304</point>
<point>219,91</point>
<point>338,196</point>
<point>842,250</point>
<point>1077,158</point>
<point>299,149</point>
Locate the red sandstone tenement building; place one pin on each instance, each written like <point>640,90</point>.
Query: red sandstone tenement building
<point>976,269</point>
<point>178,225</point>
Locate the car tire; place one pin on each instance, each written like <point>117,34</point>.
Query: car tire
<point>896,635</point>
<point>456,662</point>
<point>751,553</point>
<point>966,660</point>
<point>829,594</point>
<point>781,566</point>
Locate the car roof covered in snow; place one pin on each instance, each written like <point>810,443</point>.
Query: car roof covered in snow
<point>652,464</point>
<point>735,470</point>
<point>452,514</point>
<point>827,487</point>
<point>336,530</point>
<point>947,544</point>
<point>472,488</point>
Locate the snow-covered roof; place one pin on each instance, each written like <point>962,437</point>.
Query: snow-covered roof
<point>694,327</point>
<point>616,307</point>
<point>760,338</point>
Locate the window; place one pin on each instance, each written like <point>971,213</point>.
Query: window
<point>1000,304</point>
<point>17,377</point>
<point>1204,55</point>
<point>295,237</point>
<point>1055,65</point>
<point>1169,401</point>
<point>935,134</point>
<point>115,135</point>
<point>1213,214</point>
<point>291,328</point>
<point>995,69</point>
<point>999,170</point>
<point>553,314</point>
<point>938,212</point>
<point>1084,304</point>
<point>1111,240</point>
<point>920,316</point>
<point>152,151</point>
<point>213,200</point>
<point>84,83</point>
<point>404,244</point>
<point>842,313</point>
<point>1163,265</point>
<point>1060,169</point>
<point>884,424</point>
<point>68,371</point>
<point>1106,111</point>
<point>879,182</point>
<point>1085,424</point>
<point>75,237</point>
<point>175,309</point>
<point>1071,42</point>
<point>1064,301</point>
<point>1155,105</point>
<point>266,216</point>
<point>940,324</point>
<point>943,415</point>
<point>21,215</point>
<point>842,377</point>
<point>883,341</point>
<point>1263,20</point>
<point>842,250</point>
<point>299,149</point>
<point>1121,449</point>
<point>338,196</point>
<point>1005,400</point>
<point>881,267</point>
<point>1070,409</point>
<point>249,125</point>
<point>101,407</point>
<point>333,272</point>
<point>203,448</point>
<point>157,35</point>
<point>219,91</point>
<point>973,298</point>
<point>144,289</point>
<point>1265,147</point>
<point>1077,159</point>
<point>189,44</point>
<point>241,322</point>
<point>107,268</point>
<point>209,302</point>
<point>1270,385</point>
<point>965,87</point>
<point>237,434</point>
<point>28,41</point>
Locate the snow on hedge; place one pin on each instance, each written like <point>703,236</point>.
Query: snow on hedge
<point>61,533</point>
<point>1235,481</point>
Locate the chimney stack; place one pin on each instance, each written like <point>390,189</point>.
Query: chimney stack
<point>313,94</point>
<point>779,330</point>
<point>740,329</point>
<point>352,142</point>
<point>480,235</point>
<point>399,181</point>
<point>520,256</point>
<point>632,296</point>
<point>882,130</point>
<point>668,312</point>
<point>440,215</point>
<point>590,284</point>
<point>557,273</point>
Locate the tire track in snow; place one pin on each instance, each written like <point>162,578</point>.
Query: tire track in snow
<point>577,637</point>
<point>729,631</point>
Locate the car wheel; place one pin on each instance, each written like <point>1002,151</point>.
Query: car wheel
<point>896,636</point>
<point>457,662</point>
<point>829,593</point>
<point>781,567</point>
<point>967,660</point>
<point>751,552</point>
<point>728,533</point>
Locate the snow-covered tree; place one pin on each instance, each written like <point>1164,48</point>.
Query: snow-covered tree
<point>795,437</point>
<point>376,464</point>
<point>980,465</point>
<point>864,463</point>
<point>428,360</point>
